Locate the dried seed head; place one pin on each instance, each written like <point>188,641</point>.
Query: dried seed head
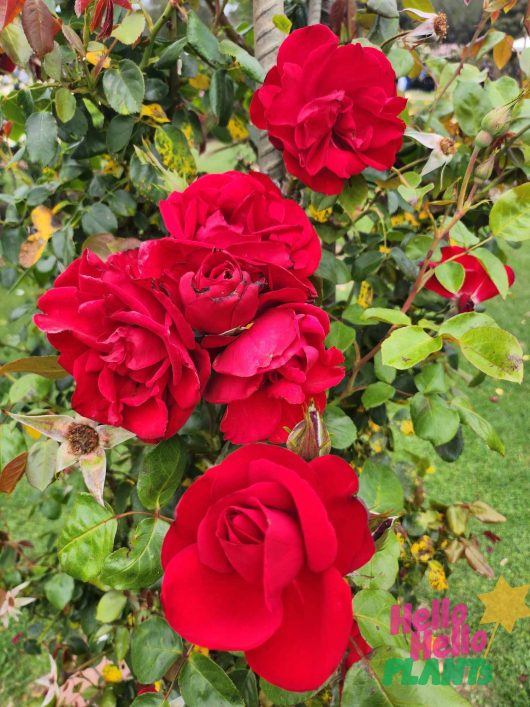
<point>82,439</point>
<point>440,26</point>
<point>447,146</point>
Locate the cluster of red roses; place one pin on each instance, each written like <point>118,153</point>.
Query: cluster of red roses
<point>219,310</point>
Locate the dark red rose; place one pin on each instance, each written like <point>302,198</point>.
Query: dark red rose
<point>255,558</point>
<point>272,371</point>
<point>216,291</point>
<point>131,352</point>
<point>6,65</point>
<point>477,286</point>
<point>246,215</point>
<point>332,110</point>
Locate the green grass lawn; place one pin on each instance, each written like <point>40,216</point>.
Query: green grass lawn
<point>478,474</point>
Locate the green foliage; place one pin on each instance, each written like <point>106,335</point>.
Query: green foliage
<point>154,648</point>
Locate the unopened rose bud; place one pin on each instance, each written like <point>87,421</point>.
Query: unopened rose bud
<point>310,437</point>
<point>484,169</point>
<point>496,122</point>
<point>483,139</point>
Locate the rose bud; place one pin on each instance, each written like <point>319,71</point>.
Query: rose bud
<point>484,169</point>
<point>496,122</point>
<point>220,296</point>
<point>483,139</point>
<point>310,437</point>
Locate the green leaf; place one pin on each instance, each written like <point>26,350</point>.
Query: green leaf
<point>249,64</point>
<point>41,464</point>
<point>377,394</point>
<point>390,316</point>
<point>380,489</point>
<point>365,684</point>
<point>433,419</point>
<point>462,235</point>
<point>385,8</point>
<point>87,538</point>
<point>450,275</point>
<point>456,326</point>
<point>340,335</point>
<point>203,41</point>
<point>119,132</point>
<point>174,151</point>
<point>282,698</point>
<point>383,373</point>
<point>162,472</point>
<point>110,606</point>
<point>121,642</point>
<point>457,519</point>
<point>524,61</point>
<point>29,387</point>
<point>124,87</point>
<point>282,22</point>
<point>169,56</point>
<point>140,566</point>
<point>245,681</point>
<point>203,683</point>
<point>471,103</point>
<point>431,379</point>
<point>41,132</point>
<point>406,347</point>
<point>221,96</point>
<point>15,44</point>
<point>495,352</point>
<point>333,269</point>
<point>510,215</point>
<point>495,269</point>
<point>371,608</point>
<point>154,649</point>
<point>150,699</point>
<point>340,426</point>
<point>380,572</point>
<point>354,195</point>
<point>402,61</point>
<point>65,104</point>
<point>59,590</point>
<point>130,28</point>
<point>481,427</point>
<point>98,218</point>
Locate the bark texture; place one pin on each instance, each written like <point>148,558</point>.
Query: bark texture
<point>314,12</point>
<point>267,40</point>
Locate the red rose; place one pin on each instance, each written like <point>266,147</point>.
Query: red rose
<point>131,352</point>
<point>216,291</point>
<point>246,215</point>
<point>332,110</point>
<point>357,647</point>
<point>272,371</point>
<point>255,558</point>
<point>477,286</point>
<point>6,65</point>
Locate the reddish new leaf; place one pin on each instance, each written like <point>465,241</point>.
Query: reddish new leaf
<point>80,6</point>
<point>12,473</point>
<point>9,9</point>
<point>40,26</point>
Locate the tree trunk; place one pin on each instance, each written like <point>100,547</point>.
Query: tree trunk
<point>267,40</point>
<point>314,12</point>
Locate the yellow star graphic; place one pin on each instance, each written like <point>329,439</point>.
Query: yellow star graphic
<point>505,604</point>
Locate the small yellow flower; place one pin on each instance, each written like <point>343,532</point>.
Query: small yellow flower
<point>366,295</point>
<point>111,673</point>
<point>157,685</point>
<point>436,576</point>
<point>237,128</point>
<point>319,216</point>
<point>201,82</point>
<point>374,426</point>
<point>499,391</point>
<point>422,549</point>
<point>384,249</point>
<point>201,650</point>
<point>430,469</point>
<point>407,427</point>
<point>377,447</point>
<point>423,215</point>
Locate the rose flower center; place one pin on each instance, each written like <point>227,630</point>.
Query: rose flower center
<point>82,439</point>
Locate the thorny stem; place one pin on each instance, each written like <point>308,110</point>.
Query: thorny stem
<point>154,32</point>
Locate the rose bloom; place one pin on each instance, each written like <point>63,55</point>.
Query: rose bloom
<point>477,286</point>
<point>255,558</point>
<point>272,371</point>
<point>246,215</point>
<point>332,110</point>
<point>216,291</point>
<point>130,350</point>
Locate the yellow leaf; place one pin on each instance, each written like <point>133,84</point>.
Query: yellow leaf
<point>502,52</point>
<point>94,57</point>
<point>174,151</point>
<point>237,128</point>
<point>155,112</point>
<point>201,82</point>
<point>43,229</point>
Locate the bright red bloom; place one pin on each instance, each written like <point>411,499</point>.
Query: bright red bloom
<point>332,110</point>
<point>216,291</point>
<point>246,215</point>
<point>131,352</point>
<point>271,372</point>
<point>477,286</point>
<point>255,558</point>
<point>357,647</point>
